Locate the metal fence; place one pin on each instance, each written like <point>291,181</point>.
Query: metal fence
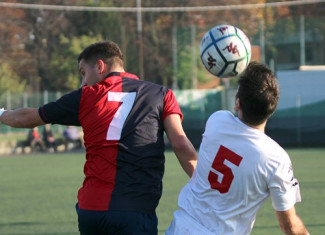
<point>295,122</point>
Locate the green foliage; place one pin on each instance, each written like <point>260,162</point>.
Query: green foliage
<point>33,41</point>
<point>186,69</point>
<point>9,80</point>
<point>64,66</point>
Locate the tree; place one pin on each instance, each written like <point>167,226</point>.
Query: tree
<point>9,82</point>
<point>64,66</point>
<point>39,43</point>
<point>13,55</point>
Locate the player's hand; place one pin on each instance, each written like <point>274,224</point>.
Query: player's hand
<point>2,111</point>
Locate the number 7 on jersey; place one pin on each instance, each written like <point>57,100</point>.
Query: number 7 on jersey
<point>127,99</point>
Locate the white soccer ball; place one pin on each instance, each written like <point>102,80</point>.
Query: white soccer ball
<point>225,51</point>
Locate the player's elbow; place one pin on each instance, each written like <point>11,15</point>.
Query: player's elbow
<point>179,144</point>
<point>290,223</point>
<point>186,154</point>
<point>292,229</point>
<point>183,145</point>
<point>287,228</point>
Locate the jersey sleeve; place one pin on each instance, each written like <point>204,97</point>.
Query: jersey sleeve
<point>64,111</point>
<point>284,187</point>
<point>171,106</point>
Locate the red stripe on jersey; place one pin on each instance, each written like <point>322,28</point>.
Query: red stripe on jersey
<point>95,115</point>
<point>43,115</point>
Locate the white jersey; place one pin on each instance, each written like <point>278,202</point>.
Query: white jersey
<point>238,168</point>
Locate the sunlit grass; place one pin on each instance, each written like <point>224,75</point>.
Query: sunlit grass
<point>39,192</point>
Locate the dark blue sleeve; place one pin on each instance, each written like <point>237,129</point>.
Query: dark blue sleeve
<point>64,111</point>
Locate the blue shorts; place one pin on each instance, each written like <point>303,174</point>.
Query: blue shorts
<point>116,222</point>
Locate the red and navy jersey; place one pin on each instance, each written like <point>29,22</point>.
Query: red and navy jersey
<point>122,120</point>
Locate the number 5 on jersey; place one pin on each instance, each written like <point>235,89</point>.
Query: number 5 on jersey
<point>219,166</point>
<point>127,100</point>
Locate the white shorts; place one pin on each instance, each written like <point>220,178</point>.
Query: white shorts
<point>183,224</point>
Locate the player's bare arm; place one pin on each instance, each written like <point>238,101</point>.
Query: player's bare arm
<point>290,223</point>
<point>181,145</point>
<point>21,118</point>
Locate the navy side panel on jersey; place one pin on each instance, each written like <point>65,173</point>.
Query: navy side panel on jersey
<point>140,160</point>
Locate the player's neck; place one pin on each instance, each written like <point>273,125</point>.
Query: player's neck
<point>260,127</point>
<point>118,69</point>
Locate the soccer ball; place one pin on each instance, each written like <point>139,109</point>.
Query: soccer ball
<point>225,51</point>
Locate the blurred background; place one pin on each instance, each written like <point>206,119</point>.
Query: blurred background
<point>40,41</point>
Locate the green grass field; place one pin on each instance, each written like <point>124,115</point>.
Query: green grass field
<point>38,193</point>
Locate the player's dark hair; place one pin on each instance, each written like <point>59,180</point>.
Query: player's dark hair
<point>258,93</point>
<point>107,51</point>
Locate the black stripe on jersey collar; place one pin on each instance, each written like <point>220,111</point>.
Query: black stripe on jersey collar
<point>113,74</point>
<point>123,74</point>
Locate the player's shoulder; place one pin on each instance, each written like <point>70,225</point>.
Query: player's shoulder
<point>71,96</point>
<point>272,144</point>
<point>221,115</point>
<point>275,146</point>
<point>152,84</point>
<point>89,94</point>
<point>273,150</point>
<point>143,84</point>
<point>152,89</point>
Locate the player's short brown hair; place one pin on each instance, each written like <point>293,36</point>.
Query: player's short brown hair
<point>107,51</point>
<point>258,93</point>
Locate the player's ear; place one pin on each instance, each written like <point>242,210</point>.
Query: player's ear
<point>101,66</point>
<point>237,104</point>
